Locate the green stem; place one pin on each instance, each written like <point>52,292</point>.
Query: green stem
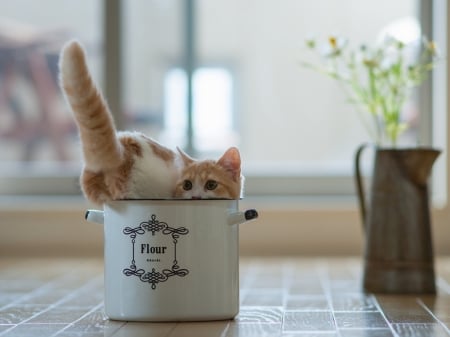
<point>372,105</point>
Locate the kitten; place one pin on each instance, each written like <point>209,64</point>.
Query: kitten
<point>210,179</point>
<point>130,165</point>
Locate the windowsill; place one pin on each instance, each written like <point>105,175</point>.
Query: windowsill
<point>42,203</point>
<point>287,225</point>
<point>267,202</point>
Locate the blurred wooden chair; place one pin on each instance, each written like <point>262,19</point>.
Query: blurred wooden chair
<point>31,55</point>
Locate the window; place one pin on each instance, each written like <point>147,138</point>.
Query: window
<point>295,130</point>
<point>212,112</point>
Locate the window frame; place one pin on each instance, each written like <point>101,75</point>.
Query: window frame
<point>303,222</point>
<point>269,180</point>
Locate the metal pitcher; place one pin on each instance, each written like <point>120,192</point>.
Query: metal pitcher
<point>396,220</point>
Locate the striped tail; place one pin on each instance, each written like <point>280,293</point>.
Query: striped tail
<point>101,147</point>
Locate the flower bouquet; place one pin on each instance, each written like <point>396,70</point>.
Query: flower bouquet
<point>378,79</point>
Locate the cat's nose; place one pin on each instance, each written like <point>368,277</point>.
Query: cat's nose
<point>196,198</point>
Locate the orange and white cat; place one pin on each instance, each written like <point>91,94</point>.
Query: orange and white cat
<point>130,165</point>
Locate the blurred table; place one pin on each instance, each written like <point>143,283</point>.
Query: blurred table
<point>279,297</point>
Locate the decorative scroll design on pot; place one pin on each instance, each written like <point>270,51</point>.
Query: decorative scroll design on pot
<point>154,276</point>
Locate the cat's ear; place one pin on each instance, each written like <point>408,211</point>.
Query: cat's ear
<point>231,161</point>
<point>187,160</point>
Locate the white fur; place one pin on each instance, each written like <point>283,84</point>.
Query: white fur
<point>151,176</point>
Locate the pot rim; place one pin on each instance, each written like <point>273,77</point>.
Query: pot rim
<point>420,148</point>
<point>173,200</point>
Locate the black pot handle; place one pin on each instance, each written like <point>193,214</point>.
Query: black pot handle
<point>359,184</point>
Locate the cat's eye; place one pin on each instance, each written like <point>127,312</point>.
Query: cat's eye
<point>187,185</point>
<point>211,185</point>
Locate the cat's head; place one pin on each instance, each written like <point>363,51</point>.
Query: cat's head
<point>209,179</point>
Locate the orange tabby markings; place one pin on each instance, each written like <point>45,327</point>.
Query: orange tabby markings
<point>225,173</point>
<point>121,165</point>
<point>160,151</point>
<point>101,148</point>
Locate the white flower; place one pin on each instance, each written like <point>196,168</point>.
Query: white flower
<point>334,47</point>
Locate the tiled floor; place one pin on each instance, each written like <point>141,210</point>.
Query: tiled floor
<point>279,297</point>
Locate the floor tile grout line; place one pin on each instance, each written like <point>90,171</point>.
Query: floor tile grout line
<point>335,311</point>
<point>245,286</point>
<point>330,277</point>
<point>117,330</point>
<point>39,290</point>
<point>34,292</point>
<point>375,302</point>
<point>424,306</point>
<point>390,325</point>
<point>443,284</point>
<point>223,334</point>
<point>166,335</point>
<point>368,328</point>
<point>53,305</point>
<point>93,309</point>
<point>176,325</point>
<point>8,330</point>
<point>287,274</point>
<point>324,279</point>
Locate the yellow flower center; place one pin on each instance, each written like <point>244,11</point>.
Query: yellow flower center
<point>432,47</point>
<point>333,42</point>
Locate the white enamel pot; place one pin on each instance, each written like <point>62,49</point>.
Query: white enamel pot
<point>171,260</point>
